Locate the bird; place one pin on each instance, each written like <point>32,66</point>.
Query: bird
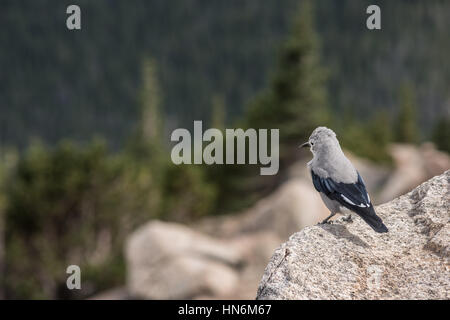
<point>340,185</point>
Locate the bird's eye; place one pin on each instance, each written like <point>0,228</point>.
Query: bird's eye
<point>312,143</point>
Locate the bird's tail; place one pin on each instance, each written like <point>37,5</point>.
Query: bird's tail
<point>371,218</point>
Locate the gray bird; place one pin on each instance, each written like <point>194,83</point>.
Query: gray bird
<point>337,180</point>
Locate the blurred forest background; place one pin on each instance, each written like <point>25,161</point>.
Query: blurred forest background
<point>86,116</point>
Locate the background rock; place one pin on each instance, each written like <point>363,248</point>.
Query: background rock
<point>256,248</point>
<point>351,261</point>
<point>413,165</point>
<point>170,261</point>
<point>294,205</point>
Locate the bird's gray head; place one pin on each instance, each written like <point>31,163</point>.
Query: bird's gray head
<point>321,140</point>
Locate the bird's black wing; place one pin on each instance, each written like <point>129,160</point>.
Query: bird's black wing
<point>353,196</point>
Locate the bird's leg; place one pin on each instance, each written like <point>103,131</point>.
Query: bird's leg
<point>327,218</point>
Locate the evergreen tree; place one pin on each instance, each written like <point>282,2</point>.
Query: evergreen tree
<point>60,203</point>
<point>218,113</point>
<point>145,154</point>
<point>406,125</point>
<point>441,134</point>
<point>147,140</point>
<point>296,100</point>
<point>150,125</point>
<point>368,139</point>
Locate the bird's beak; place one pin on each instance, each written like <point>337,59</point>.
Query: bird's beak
<point>306,144</point>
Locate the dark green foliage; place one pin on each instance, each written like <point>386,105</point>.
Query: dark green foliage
<point>69,206</point>
<point>406,129</point>
<point>58,84</point>
<point>367,139</point>
<point>73,205</point>
<point>145,146</point>
<point>366,67</point>
<point>76,205</point>
<point>218,116</point>
<point>188,195</point>
<point>295,102</point>
<point>150,125</point>
<point>441,134</point>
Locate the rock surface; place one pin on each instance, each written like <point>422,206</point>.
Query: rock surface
<point>350,261</point>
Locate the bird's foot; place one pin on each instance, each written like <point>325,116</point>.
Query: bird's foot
<point>348,218</point>
<point>327,219</point>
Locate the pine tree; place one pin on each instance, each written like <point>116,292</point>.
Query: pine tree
<point>145,153</point>
<point>151,119</point>
<point>296,100</point>
<point>218,113</point>
<point>146,144</point>
<point>368,139</point>
<point>294,103</point>
<point>406,125</point>
<point>441,134</point>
